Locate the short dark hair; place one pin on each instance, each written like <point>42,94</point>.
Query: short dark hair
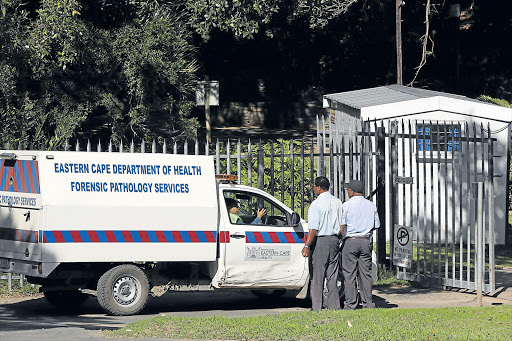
<point>230,203</point>
<point>322,182</point>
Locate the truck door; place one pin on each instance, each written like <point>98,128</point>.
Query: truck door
<point>20,206</point>
<point>262,253</point>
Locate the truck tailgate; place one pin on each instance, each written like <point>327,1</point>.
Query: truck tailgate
<point>20,207</point>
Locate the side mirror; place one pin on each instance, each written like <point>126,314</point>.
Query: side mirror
<point>295,219</point>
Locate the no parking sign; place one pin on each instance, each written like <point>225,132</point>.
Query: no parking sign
<point>402,247</point>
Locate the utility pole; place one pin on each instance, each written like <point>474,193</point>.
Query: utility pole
<point>207,110</point>
<point>207,94</point>
<point>398,23</point>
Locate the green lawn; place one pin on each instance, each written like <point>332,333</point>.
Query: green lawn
<point>488,323</point>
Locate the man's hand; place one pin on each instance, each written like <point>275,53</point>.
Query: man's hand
<point>261,212</point>
<point>305,251</point>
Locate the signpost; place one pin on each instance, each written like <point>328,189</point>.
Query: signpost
<point>402,247</point>
<point>207,94</point>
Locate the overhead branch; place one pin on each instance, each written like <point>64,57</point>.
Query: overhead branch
<point>424,39</point>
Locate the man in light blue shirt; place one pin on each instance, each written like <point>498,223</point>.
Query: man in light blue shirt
<point>359,219</point>
<point>324,220</point>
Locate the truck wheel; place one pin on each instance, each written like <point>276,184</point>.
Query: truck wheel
<point>66,300</point>
<point>123,290</point>
<point>269,293</point>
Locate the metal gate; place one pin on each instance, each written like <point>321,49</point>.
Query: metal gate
<point>443,192</point>
<point>432,183</point>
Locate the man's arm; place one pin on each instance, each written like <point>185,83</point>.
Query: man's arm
<point>309,241</point>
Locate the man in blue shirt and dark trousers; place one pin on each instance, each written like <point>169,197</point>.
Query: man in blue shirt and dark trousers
<point>359,219</point>
<point>324,220</point>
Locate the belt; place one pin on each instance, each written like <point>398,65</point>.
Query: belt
<point>330,235</point>
<point>357,238</point>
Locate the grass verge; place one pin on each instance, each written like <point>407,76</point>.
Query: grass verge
<point>488,323</point>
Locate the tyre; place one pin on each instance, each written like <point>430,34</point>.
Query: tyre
<point>269,293</point>
<point>66,300</point>
<point>123,290</point>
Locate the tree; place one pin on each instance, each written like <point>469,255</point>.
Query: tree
<point>66,74</point>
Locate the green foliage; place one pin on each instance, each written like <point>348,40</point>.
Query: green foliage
<point>246,18</point>
<point>18,290</point>
<point>65,74</point>
<point>498,101</point>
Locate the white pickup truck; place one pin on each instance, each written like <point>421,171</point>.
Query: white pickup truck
<point>121,226</point>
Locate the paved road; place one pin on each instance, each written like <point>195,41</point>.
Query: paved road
<point>35,319</point>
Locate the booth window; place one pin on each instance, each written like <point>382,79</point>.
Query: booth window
<point>438,137</point>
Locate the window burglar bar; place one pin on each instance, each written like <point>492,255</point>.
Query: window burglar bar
<point>438,137</point>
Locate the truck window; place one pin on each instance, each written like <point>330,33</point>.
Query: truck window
<point>248,205</point>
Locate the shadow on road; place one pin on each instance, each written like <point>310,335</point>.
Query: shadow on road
<point>33,314</point>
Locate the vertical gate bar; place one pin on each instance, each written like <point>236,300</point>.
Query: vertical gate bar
<point>260,175</point>
<point>343,174</point>
<point>411,196</point>
<point>432,240</point>
<point>479,242</point>
<point>331,164</point>
<point>446,208</point>
<point>417,157</point>
<point>324,142</point>
<point>228,157</point>
<point>206,148</point>
<point>402,218</point>
<point>196,147</point>
<point>249,164</point>
<point>484,220</point>
<point>292,178</point>
<point>185,147</point>
<point>454,208</point>
<point>425,198</point>
<point>164,148</point>
<point>402,156</point>
<point>394,191</point>
<point>475,164</point>
<point>272,178</point>
<point>239,161</point>
<point>334,171</point>
<point>461,220</point>
<point>312,166</point>
<point>491,210</point>
<point>350,159</point>
<point>439,199</point>
<point>361,156</point>
<point>301,177</point>
<point>217,155</point>
<point>330,171</point>
<point>469,215</point>
<point>282,171</point>
<point>318,144</point>
<point>370,154</point>
<point>381,192</point>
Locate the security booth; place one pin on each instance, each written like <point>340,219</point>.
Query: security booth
<point>437,166</point>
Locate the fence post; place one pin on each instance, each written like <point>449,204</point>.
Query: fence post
<point>261,167</point>
<point>479,243</point>
<point>381,195</point>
